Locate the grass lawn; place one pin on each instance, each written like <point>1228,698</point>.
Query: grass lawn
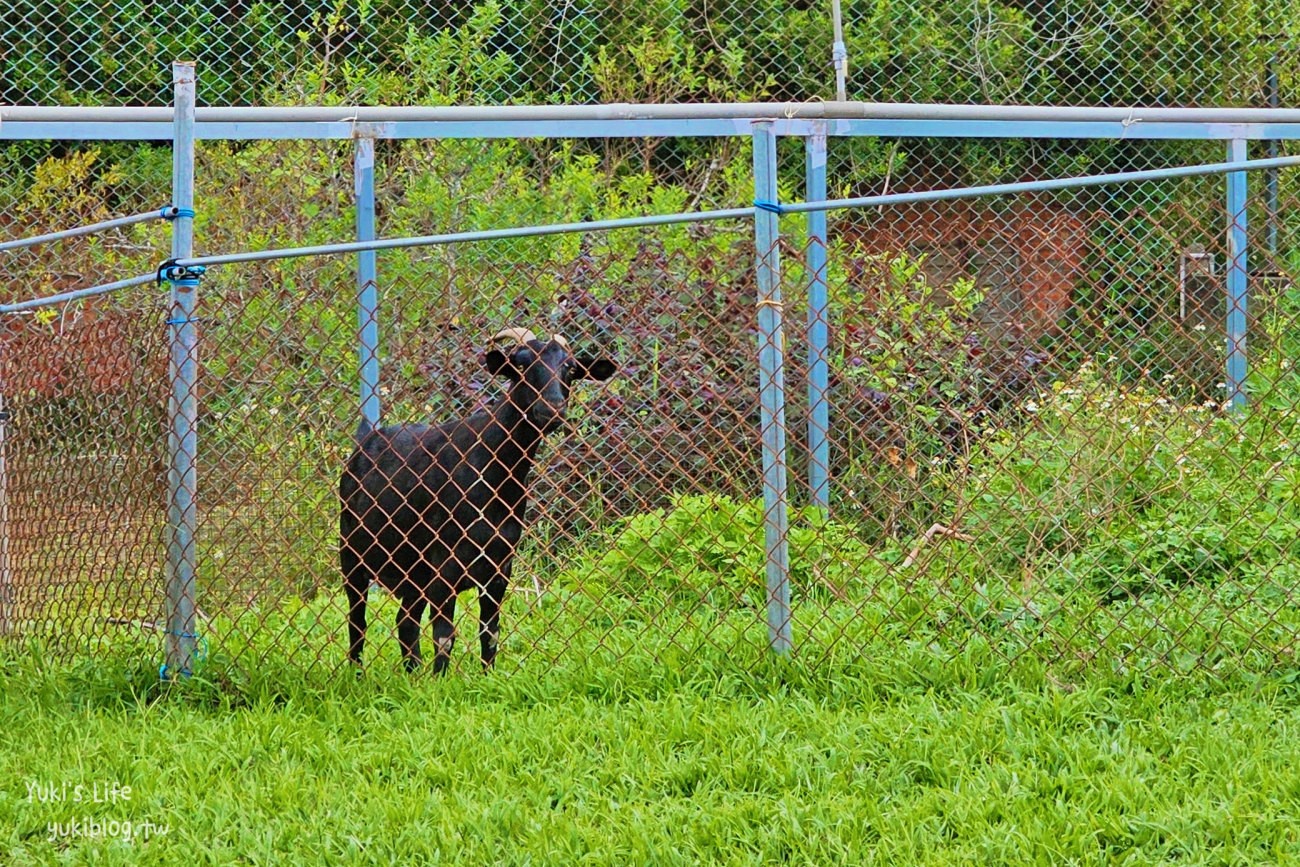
<point>886,756</point>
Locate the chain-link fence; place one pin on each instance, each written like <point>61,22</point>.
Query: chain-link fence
<point>1119,52</point>
<point>1029,449</point>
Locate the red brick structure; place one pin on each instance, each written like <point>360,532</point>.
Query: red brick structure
<point>1027,259</point>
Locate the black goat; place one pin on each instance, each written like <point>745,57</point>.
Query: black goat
<point>432,511</point>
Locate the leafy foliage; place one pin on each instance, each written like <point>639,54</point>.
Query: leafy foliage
<point>1125,492</point>
<point>709,550</point>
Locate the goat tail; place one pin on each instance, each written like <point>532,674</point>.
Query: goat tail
<point>365,429</point>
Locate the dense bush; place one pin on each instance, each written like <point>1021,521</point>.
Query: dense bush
<point>1120,492</point>
<point>708,550</point>
<point>1120,51</point>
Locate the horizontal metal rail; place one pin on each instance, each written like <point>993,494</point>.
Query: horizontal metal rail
<point>77,294</point>
<point>732,213</point>
<point>458,237</point>
<point>166,213</point>
<point>670,219</point>
<point>829,110</point>
<point>1039,186</point>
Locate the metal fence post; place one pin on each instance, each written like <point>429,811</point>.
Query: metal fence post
<point>1238,275</point>
<point>839,52</point>
<point>771,365</point>
<point>182,440</point>
<point>819,453</point>
<point>6,579</point>
<point>1270,176</point>
<point>363,165</point>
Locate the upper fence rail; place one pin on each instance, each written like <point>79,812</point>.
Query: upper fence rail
<point>636,120</point>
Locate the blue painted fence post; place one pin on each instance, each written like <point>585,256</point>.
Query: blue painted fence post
<point>819,413</point>
<point>367,273</point>
<point>1237,282</point>
<point>182,441</point>
<point>771,365</point>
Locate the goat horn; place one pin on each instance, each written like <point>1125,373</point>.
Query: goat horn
<point>515,335</point>
<point>559,338</point>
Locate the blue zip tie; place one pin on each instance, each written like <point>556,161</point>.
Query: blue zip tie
<point>770,207</point>
<point>162,672</point>
<point>171,212</point>
<point>200,654</point>
<point>182,322</point>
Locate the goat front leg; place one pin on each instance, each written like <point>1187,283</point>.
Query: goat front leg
<point>411,612</point>
<point>489,618</point>
<point>356,583</point>
<point>354,587</point>
<point>444,628</point>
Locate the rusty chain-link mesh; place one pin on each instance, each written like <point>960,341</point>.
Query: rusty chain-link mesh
<point>1027,443</point>
<point>1029,450</point>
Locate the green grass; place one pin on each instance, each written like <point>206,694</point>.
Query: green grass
<point>1102,672</point>
<point>888,752</point>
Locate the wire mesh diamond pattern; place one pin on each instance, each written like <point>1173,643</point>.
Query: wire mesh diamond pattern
<point>1030,454</point>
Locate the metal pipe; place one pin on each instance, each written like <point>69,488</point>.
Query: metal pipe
<point>1270,180</point>
<point>1238,279</point>
<point>182,441</point>
<point>363,161</point>
<point>1039,186</point>
<point>839,53</point>
<point>733,213</point>
<point>819,451</point>
<point>771,366</point>
<point>455,237</point>
<point>742,111</point>
<point>654,128</point>
<point>166,213</point>
<point>77,294</point>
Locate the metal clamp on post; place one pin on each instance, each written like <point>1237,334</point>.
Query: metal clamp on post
<point>180,275</point>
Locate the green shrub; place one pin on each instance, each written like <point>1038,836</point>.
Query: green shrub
<point>705,549</point>
<point>1122,492</point>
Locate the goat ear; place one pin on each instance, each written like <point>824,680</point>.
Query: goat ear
<point>596,368</point>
